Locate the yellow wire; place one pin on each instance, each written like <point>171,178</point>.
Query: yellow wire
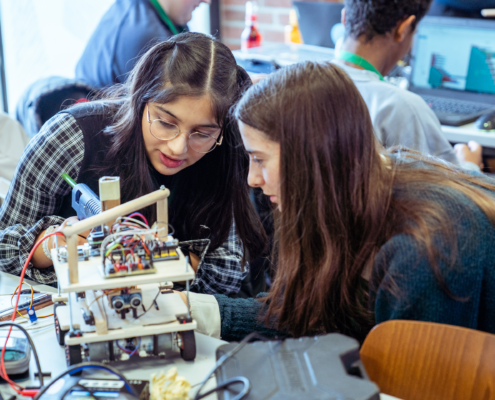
<point>114,247</point>
<point>32,296</point>
<point>30,305</point>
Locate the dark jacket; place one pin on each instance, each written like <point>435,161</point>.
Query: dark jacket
<point>418,295</point>
<point>125,32</point>
<point>46,97</point>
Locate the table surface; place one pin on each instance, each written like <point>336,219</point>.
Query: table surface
<point>52,356</point>
<point>464,134</point>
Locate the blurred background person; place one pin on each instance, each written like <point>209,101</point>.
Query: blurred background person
<point>127,29</point>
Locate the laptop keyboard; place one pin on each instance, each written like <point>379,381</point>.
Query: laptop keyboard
<point>458,107</point>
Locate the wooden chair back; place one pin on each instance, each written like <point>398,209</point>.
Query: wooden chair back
<point>423,360</point>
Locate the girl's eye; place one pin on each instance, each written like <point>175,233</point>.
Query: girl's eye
<point>167,125</point>
<point>203,136</point>
<point>257,160</point>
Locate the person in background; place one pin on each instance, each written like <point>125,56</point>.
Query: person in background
<point>363,234</point>
<point>125,32</point>
<point>13,140</point>
<point>378,33</point>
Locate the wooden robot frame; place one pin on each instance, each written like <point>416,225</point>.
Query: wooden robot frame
<point>79,280</point>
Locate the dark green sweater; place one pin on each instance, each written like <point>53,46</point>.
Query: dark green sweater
<point>420,296</point>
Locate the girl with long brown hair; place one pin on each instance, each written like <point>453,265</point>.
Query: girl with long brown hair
<point>363,234</point>
<point>166,125</point>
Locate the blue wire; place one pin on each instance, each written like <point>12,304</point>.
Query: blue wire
<point>136,349</point>
<point>121,348</point>
<point>105,369</point>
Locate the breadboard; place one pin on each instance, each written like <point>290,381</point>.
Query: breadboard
<point>90,276</point>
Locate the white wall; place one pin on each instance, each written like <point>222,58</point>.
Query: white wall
<point>47,37</point>
<point>200,21</point>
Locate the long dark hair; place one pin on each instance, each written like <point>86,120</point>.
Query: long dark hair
<point>339,197</point>
<point>206,196</point>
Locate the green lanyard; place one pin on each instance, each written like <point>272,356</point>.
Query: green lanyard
<point>163,15</point>
<point>358,60</point>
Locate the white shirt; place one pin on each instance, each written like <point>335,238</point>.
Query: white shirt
<point>206,312</point>
<point>400,117</point>
<point>13,140</point>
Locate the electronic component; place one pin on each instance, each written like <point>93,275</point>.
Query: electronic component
<point>326,366</point>
<point>88,316</point>
<point>136,347</point>
<point>124,317</point>
<point>98,388</point>
<point>130,255</point>
<point>135,255</point>
<point>123,300</point>
<point>32,314</point>
<point>69,385</point>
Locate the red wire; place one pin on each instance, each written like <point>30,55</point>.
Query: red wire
<point>3,371</point>
<point>139,215</point>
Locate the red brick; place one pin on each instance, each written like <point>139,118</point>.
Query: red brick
<point>273,36</point>
<point>230,32</point>
<point>265,18</point>
<point>234,46</point>
<point>231,15</point>
<point>236,2</point>
<point>278,3</point>
<point>283,19</point>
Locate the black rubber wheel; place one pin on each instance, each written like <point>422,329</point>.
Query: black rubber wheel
<point>60,333</point>
<point>73,354</point>
<point>188,345</point>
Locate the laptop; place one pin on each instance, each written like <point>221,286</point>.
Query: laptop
<point>316,20</point>
<point>453,67</point>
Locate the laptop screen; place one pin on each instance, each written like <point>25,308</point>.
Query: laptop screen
<point>455,55</point>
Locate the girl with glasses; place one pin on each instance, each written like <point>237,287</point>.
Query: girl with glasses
<point>166,125</point>
<point>363,234</point>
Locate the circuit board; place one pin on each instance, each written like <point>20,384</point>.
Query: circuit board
<point>134,256</point>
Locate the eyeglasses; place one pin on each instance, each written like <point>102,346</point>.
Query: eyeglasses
<point>199,142</point>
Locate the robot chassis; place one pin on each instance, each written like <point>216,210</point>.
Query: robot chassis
<point>99,327</point>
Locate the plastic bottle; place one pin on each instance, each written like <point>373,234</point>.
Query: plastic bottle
<point>292,32</point>
<point>251,36</point>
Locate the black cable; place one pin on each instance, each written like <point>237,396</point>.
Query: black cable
<point>237,379</point>
<point>87,365</point>
<point>151,306</point>
<point>66,392</point>
<point>226,384</point>
<point>38,365</point>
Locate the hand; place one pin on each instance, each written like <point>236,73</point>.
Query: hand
<point>470,152</point>
<point>40,260</point>
<point>182,296</point>
<point>81,238</point>
<point>194,261</point>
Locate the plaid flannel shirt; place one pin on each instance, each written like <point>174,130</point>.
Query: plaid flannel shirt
<point>36,193</point>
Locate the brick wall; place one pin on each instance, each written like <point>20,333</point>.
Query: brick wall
<point>272,17</point>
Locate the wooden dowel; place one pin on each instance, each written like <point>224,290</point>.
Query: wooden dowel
<point>114,213</point>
